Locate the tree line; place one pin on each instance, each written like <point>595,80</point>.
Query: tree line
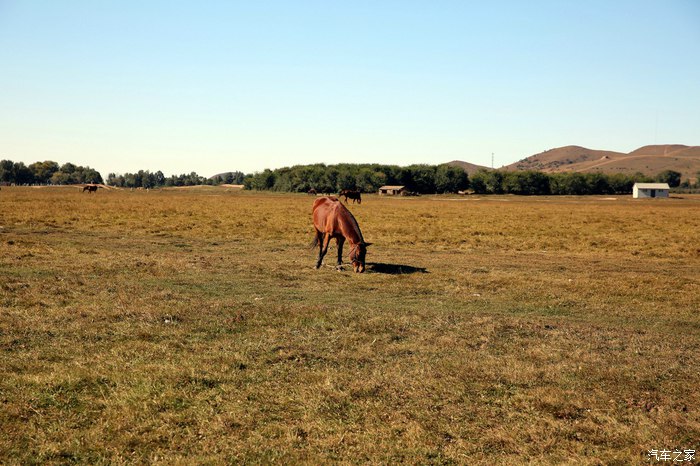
<point>323,178</point>
<point>47,172</point>
<point>539,183</point>
<point>147,179</point>
<point>431,179</point>
<point>420,178</point>
<point>50,172</point>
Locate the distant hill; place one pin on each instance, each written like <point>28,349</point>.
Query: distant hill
<point>648,160</point>
<point>562,159</point>
<point>470,168</point>
<point>230,177</point>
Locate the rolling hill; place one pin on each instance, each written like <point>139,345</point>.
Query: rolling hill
<point>648,160</point>
<point>470,168</point>
<point>563,159</point>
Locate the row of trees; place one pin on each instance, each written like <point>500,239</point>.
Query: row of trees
<point>47,172</point>
<point>539,183</point>
<point>50,172</point>
<point>147,179</point>
<point>428,179</point>
<point>424,179</point>
<point>365,177</point>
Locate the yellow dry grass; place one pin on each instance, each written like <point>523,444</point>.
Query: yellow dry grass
<point>190,326</point>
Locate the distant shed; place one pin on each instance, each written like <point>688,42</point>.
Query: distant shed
<point>646,190</point>
<point>391,190</point>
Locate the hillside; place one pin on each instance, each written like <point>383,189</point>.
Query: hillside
<point>561,158</point>
<point>470,168</point>
<point>234,177</point>
<point>648,160</point>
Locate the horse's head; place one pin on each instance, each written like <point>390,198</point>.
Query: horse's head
<point>357,256</point>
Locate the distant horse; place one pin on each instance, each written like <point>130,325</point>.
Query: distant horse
<point>354,195</point>
<point>91,188</point>
<point>312,191</point>
<point>333,220</point>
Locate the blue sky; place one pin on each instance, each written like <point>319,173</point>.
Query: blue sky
<point>219,86</point>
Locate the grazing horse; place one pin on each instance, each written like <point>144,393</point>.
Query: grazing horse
<point>312,191</point>
<point>91,188</point>
<point>354,195</point>
<point>333,220</point>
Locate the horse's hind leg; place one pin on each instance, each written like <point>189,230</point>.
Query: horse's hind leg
<point>322,246</point>
<point>319,241</point>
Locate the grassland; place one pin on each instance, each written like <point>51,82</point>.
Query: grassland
<point>183,326</point>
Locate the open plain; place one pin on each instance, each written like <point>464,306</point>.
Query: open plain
<point>189,325</point>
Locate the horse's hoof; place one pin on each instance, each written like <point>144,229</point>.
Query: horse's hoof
<point>339,268</point>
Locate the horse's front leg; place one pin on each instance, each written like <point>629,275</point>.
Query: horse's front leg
<point>340,241</point>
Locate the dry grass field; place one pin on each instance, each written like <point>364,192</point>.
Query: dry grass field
<point>172,327</point>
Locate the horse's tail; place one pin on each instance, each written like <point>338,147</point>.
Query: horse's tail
<point>314,243</point>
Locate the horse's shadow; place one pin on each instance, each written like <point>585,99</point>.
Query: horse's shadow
<point>394,269</point>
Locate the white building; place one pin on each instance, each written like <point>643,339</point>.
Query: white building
<point>644,190</point>
<point>391,190</point>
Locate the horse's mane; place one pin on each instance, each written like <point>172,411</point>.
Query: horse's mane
<point>352,219</point>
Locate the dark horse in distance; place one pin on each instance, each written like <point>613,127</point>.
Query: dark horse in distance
<point>333,220</point>
<point>354,195</point>
<point>91,188</point>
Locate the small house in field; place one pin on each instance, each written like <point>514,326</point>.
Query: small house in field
<point>391,190</point>
<point>647,190</point>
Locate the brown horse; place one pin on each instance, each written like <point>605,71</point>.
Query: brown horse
<point>354,195</point>
<point>333,220</point>
<point>91,188</point>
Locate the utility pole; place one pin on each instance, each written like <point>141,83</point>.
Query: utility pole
<point>492,161</point>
